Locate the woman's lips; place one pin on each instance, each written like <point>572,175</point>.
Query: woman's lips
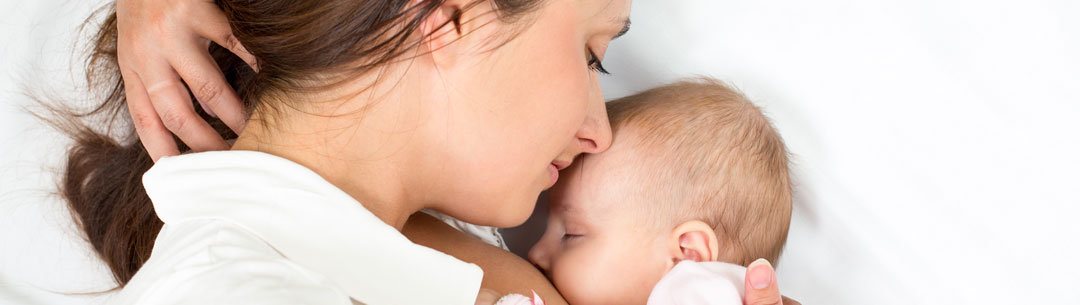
<point>553,171</point>
<point>560,165</point>
<point>554,168</point>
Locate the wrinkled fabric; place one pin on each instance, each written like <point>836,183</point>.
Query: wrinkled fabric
<point>245,227</point>
<point>486,234</point>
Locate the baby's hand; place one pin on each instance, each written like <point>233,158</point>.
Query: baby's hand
<point>487,297</point>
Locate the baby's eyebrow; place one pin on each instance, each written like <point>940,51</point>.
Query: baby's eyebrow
<point>564,208</point>
<point>569,210</point>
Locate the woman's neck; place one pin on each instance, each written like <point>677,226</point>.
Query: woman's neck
<point>357,155</point>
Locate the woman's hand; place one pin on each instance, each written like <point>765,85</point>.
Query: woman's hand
<point>761,287</point>
<point>160,43</point>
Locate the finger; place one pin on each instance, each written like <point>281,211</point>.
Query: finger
<point>213,25</point>
<point>153,134</point>
<point>789,301</point>
<point>761,286</point>
<point>172,104</point>
<point>204,78</point>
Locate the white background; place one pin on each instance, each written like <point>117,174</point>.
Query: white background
<point>935,142</point>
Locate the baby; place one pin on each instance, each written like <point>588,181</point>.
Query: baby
<point>696,174</point>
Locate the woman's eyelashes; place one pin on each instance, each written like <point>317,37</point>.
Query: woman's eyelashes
<point>595,64</point>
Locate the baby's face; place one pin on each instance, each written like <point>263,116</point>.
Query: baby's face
<point>596,250</point>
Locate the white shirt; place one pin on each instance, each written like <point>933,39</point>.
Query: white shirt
<point>245,227</point>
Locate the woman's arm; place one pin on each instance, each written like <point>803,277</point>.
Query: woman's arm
<point>504,272</point>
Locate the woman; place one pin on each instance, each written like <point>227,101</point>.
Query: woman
<point>362,113</point>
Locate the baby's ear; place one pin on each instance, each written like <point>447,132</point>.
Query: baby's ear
<point>694,240</point>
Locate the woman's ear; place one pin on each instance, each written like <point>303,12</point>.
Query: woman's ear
<point>694,240</point>
<point>440,29</point>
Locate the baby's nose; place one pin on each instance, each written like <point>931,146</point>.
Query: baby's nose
<point>539,257</point>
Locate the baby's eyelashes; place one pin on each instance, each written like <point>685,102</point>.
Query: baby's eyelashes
<point>569,237</point>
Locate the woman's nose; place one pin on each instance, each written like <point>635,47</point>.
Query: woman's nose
<point>594,136</point>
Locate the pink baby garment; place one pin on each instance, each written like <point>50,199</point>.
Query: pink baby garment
<point>517,299</point>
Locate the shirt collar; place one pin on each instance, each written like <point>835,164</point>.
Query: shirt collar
<point>312,223</point>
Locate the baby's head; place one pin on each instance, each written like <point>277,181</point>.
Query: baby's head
<point>695,172</point>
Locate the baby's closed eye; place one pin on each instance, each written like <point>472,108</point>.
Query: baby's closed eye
<point>569,237</point>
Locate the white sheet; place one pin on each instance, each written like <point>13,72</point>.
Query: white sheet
<point>43,258</point>
<point>935,142</point>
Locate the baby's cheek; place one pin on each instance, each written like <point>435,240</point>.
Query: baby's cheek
<point>600,281</point>
<point>575,281</point>
<point>644,278</point>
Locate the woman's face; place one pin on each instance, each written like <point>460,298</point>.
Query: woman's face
<point>515,114</point>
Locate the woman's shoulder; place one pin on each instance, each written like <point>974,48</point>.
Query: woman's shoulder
<point>217,262</point>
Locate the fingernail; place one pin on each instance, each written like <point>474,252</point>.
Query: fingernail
<point>761,273</point>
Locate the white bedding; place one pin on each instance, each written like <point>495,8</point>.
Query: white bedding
<point>935,142</point>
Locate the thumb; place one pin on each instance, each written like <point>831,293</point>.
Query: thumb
<point>760,284</point>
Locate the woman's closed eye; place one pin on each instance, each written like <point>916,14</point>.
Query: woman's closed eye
<point>595,64</point>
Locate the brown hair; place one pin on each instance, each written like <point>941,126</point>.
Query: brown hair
<point>298,45</point>
<point>710,155</point>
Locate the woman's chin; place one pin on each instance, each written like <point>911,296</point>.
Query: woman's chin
<point>500,216</point>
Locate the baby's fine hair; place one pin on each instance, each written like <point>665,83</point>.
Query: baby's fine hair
<point>710,155</point>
